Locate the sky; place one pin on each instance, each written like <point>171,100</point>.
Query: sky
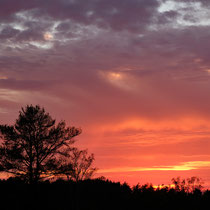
<point>133,74</point>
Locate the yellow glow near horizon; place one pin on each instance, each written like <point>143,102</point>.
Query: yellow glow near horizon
<point>186,166</point>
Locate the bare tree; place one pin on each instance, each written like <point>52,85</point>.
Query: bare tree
<point>79,166</point>
<point>35,147</point>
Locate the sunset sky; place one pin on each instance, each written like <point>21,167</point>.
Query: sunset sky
<point>133,74</point>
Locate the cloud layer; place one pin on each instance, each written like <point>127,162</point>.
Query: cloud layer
<point>134,74</point>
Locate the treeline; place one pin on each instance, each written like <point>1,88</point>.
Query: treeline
<point>96,194</point>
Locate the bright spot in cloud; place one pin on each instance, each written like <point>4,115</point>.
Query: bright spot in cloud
<point>48,36</point>
<point>3,77</point>
<point>119,79</point>
<point>115,76</point>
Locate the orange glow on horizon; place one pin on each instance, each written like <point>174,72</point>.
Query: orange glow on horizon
<point>132,148</point>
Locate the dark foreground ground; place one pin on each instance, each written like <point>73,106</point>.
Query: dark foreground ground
<point>96,195</point>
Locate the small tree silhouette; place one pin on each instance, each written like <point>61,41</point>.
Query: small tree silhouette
<point>79,165</point>
<point>188,185</point>
<point>35,147</point>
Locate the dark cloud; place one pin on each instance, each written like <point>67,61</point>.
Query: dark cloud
<point>26,85</point>
<point>8,32</point>
<point>132,15</point>
<point>30,35</point>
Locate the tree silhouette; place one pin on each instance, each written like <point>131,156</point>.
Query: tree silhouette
<point>79,165</point>
<point>187,185</point>
<point>35,147</point>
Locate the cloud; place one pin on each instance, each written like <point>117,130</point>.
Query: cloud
<point>118,15</point>
<point>8,32</point>
<point>29,85</point>
<point>129,72</point>
<point>186,166</point>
